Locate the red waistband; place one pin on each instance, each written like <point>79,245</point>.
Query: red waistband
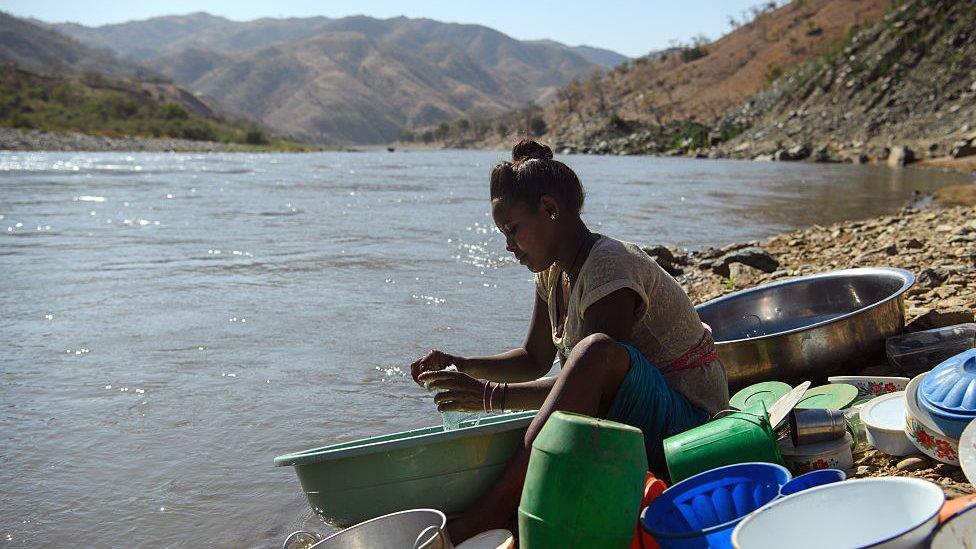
<point>700,355</point>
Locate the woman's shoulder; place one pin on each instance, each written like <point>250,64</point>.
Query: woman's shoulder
<point>611,249</point>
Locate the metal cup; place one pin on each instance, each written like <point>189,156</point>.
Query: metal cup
<point>808,426</point>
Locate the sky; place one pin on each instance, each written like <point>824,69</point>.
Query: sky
<point>630,27</point>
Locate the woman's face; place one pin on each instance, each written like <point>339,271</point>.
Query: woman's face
<point>530,233</point>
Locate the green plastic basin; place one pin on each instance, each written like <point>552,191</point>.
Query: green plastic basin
<point>354,481</point>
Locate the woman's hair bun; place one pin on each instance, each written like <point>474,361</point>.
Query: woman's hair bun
<point>528,149</point>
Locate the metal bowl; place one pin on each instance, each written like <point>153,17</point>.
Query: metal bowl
<point>809,327</point>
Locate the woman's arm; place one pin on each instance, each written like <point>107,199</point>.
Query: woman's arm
<point>527,363</point>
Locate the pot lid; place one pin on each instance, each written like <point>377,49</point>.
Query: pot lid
<point>951,386</point>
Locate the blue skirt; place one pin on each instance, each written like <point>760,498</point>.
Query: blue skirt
<point>646,401</point>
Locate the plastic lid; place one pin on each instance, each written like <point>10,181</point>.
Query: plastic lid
<point>885,412</point>
<point>951,386</point>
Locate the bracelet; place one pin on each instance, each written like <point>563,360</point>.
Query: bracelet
<point>491,398</point>
<point>484,396</point>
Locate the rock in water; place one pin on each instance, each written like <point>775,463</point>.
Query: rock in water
<point>899,156</point>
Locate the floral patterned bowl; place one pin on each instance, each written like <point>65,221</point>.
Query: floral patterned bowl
<point>832,454</point>
<point>923,432</point>
<point>872,386</point>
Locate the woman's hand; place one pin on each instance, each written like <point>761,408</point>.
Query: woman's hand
<point>456,391</point>
<point>432,361</point>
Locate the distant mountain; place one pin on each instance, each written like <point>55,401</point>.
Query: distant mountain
<point>44,51</point>
<point>355,79</point>
<point>53,83</point>
<point>597,56</point>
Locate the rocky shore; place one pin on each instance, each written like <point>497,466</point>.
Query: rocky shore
<point>938,245</point>
<point>13,139</point>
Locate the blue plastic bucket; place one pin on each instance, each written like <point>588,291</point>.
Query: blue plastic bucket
<point>811,479</point>
<point>701,511</point>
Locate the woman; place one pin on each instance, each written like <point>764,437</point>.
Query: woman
<point>631,345</point>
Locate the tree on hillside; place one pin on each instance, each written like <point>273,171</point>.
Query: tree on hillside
<point>593,87</point>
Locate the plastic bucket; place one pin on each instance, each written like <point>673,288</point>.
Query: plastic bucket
<point>736,438</point>
<point>584,484</point>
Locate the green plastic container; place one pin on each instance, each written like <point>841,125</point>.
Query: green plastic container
<point>426,468</point>
<point>584,484</point>
<point>736,438</point>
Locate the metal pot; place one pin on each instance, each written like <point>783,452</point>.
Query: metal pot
<point>415,528</point>
<point>808,327</point>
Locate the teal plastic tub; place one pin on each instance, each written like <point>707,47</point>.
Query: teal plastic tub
<point>354,481</point>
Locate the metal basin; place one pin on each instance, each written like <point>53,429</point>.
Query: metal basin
<point>809,327</point>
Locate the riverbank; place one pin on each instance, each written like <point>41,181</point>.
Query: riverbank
<point>938,245</point>
<point>14,139</point>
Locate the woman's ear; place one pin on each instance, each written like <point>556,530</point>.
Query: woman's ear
<point>549,207</point>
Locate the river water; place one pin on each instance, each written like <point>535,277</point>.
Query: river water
<point>171,322</point>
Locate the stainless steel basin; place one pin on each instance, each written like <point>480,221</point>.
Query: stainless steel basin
<point>809,327</point>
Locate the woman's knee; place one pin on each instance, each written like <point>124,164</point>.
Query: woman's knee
<point>598,350</point>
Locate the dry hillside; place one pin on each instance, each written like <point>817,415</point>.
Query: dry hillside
<point>909,80</point>
<point>733,68</point>
<point>693,84</point>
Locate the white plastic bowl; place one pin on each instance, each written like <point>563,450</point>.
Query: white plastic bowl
<point>884,420</point>
<point>889,513</point>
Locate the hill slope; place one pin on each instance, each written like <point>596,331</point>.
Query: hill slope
<point>908,80</point>
<point>665,98</point>
<point>355,79</point>
<point>51,83</point>
<point>42,50</point>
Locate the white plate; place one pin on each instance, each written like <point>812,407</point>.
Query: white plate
<point>967,451</point>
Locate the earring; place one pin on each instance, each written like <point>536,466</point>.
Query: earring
<point>552,216</point>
